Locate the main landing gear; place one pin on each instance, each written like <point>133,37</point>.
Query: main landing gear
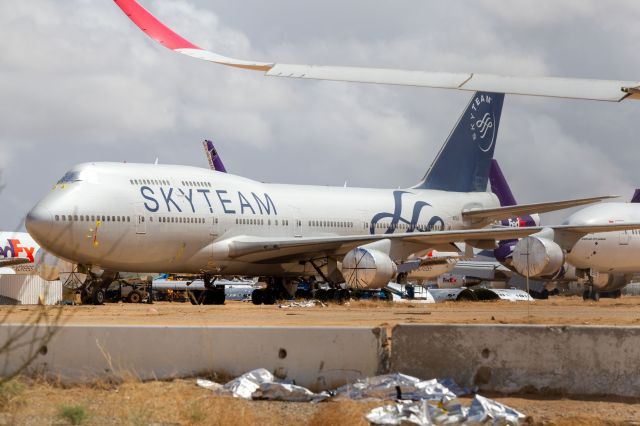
<point>590,292</point>
<point>211,295</point>
<point>93,291</point>
<point>281,289</point>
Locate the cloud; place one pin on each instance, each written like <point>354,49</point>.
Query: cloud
<point>79,82</point>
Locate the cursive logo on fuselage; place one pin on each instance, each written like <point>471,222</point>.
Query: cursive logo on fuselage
<point>396,217</point>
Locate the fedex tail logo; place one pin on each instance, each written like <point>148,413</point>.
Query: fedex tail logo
<point>15,248</point>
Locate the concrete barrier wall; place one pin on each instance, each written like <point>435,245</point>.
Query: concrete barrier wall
<point>580,360</point>
<point>318,358</point>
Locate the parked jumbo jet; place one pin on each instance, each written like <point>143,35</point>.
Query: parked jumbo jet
<point>606,262</point>
<point>603,262</point>
<point>602,90</point>
<point>159,218</point>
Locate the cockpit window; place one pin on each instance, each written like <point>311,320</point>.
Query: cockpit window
<point>70,177</point>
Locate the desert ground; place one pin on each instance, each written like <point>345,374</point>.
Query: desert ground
<point>181,402</point>
<point>557,310</point>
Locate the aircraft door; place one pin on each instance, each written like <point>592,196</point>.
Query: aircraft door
<point>141,224</point>
<point>215,227</point>
<point>624,236</point>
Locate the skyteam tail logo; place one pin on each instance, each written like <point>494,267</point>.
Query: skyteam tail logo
<point>396,217</point>
<point>482,122</point>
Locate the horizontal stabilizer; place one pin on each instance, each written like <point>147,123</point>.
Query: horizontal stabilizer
<point>499,213</point>
<point>575,88</point>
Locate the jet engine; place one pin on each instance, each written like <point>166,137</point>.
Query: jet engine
<point>540,257</point>
<point>603,281</point>
<point>364,268</point>
<point>50,267</point>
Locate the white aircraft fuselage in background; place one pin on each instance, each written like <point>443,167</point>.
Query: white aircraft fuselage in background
<point>158,218</point>
<point>608,255</point>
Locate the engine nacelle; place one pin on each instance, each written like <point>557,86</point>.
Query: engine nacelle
<point>50,267</point>
<point>537,257</point>
<point>364,268</point>
<point>603,281</point>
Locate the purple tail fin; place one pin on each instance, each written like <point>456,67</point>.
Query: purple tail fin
<point>636,196</point>
<point>499,185</point>
<point>212,155</point>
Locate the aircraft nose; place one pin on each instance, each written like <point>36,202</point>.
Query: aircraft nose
<point>39,222</point>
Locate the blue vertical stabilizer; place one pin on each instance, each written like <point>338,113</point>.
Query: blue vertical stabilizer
<point>463,163</point>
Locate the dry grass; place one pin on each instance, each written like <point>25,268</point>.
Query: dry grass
<point>181,402</point>
<point>343,413</point>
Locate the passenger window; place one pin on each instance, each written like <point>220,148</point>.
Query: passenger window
<point>57,218</point>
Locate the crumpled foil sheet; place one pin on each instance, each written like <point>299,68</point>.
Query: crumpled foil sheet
<point>396,386</point>
<point>483,411</point>
<point>287,392</point>
<point>486,411</point>
<point>412,393</point>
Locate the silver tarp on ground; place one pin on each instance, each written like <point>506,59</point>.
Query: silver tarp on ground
<point>261,384</point>
<point>416,413</point>
<point>287,392</point>
<point>487,411</point>
<point>483,411</point>
<point>396,386</point>
<point>412,393</point>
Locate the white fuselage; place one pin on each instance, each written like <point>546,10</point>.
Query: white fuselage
<point>607,252</point>
<point>166,218</point>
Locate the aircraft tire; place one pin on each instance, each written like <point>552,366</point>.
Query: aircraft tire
<point>134,297</point>
<point>217,296</point>
<point>331,295</point>
<point>595,295</point>
<point>345,294</point>
<point>98,296</point>
<point>257,296</point>
<point>269,297</point>
<point>85,297</point>
<point>585,295</point>
<point>321,295</point>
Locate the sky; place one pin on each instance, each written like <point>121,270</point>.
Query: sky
<point>79,82</point>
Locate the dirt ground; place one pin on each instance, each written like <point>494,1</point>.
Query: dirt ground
<point>556,310</point>
<point>182,402</point>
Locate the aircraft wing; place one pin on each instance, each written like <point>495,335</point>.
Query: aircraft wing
<point>13,262</point>
<point>602,90</point>
<point>498,213</point>
<point>262,249</point>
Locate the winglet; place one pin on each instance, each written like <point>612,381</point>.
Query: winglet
<point>171,40</point>
<point>601,90</point>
